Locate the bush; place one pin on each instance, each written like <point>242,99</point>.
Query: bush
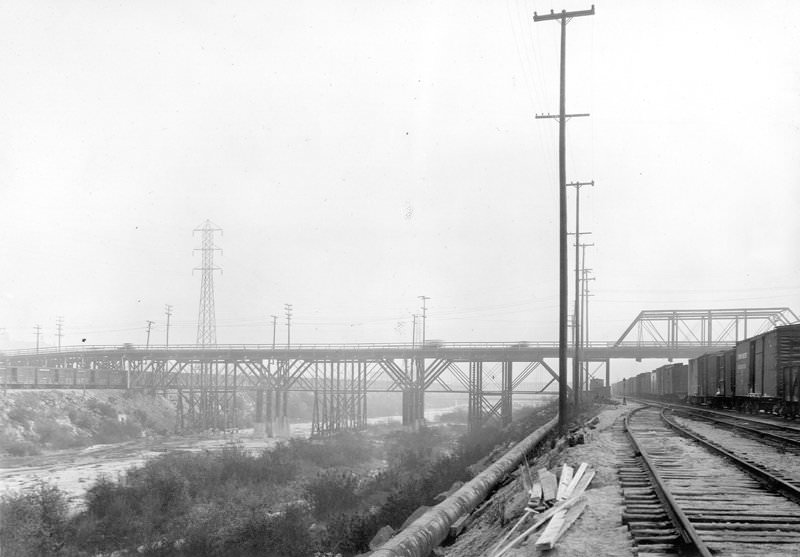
<point>34,523</point>
<point>102,408</point>
<point>413,450</point>
<point>54,434</point>
<point>332,492</point>
<point>343,449</point>
<point>18,447</point>
<point>114,431</point>
<point>22,415</point>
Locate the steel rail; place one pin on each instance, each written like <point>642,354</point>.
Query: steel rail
<point>708,414</point>
<point>765,477</point>
<point>693,543</point>
<point>773,436</point>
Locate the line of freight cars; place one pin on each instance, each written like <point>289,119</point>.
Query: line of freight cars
<point>30,377</point>
<point>760,374</point>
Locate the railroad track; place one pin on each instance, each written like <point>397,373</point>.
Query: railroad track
<point>682,497</point>
<point>784,434</point>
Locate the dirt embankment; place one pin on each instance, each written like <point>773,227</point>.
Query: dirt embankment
<point>32,422</point>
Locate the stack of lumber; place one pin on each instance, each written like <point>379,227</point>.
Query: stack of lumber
<point>555,503</point>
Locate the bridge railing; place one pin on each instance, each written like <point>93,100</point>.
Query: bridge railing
<point>506,346</point>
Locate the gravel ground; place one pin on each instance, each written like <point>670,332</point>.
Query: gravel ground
<point>763,453</point>
<point>598,532</point>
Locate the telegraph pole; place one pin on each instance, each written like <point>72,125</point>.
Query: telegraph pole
<point>562,175</point>
<point>414,330</point>
<point>288,309</point>
<point>38,332</point>
<point>59,328</point>
<point>274,330</point>
<point>576,360</point>
<point>149,326</point>
<point>168,312</point>
<point>424,315</point>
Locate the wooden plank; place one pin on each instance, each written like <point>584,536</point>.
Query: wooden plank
<point>540,521</point>
<point>584,482</point>
<point>556,528</point>
<point>566,477</point>
<point>549,484</point>
<point>575,479</point>
<point>536,493</point>
<point>548,538</point>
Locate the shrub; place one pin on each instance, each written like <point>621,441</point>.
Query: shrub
<point>58,436</point>
<point>18,447</point>
<point>34,522</point>
<point>102,408</point>
<point>343,449</point>
<point>114,431</point>
<point>22,414</point>
<point>332,492</point>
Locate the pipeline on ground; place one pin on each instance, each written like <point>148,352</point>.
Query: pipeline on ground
<point>431,529</point>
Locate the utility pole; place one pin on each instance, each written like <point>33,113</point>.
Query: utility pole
<point>149,326</point>
<point>274,330</point>
<point>576,360</point>
<point>424,315</point>
<point>38,332</point>
<point>168,312</point>
<point>59,328</point>
<point>288,309</point>
<point>414,330</point>
<point>562,176</point>
<point>585,308</point>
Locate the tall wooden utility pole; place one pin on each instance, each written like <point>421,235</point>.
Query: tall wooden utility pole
<point>562,191</point>
<point>577,382</point>
<point>168,312</point>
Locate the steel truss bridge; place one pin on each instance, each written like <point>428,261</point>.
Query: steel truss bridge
<point>206,380</point>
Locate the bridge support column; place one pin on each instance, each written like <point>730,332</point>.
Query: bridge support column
<point>259,427</point>
<point>506,404</point>
<point>475,396</point>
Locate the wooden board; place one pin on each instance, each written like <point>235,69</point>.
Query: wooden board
<point>549,484</point>
<point>559,524</point>
<point>566,477</point>
<point>575,479</point>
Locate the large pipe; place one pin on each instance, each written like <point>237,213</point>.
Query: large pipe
<point>431,529</point>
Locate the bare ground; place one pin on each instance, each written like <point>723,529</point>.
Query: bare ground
<point>598,532</point>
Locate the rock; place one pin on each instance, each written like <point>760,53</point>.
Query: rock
<point>383,536</point>
<point>514,506</point>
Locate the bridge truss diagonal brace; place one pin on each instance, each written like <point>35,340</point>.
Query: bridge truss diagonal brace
<point>554,376</point>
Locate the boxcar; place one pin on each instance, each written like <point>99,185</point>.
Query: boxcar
<point>766,371</point>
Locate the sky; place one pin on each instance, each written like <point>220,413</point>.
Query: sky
<point>360,154</point>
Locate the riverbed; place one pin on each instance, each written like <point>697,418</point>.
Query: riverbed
<point>75,470</point>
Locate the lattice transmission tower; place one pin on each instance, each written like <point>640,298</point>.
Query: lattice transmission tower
<point>206,319</point>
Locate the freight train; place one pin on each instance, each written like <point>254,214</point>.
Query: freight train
<point>31,377</point>
<point>759,374</point>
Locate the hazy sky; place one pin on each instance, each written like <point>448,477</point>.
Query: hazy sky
<point>358,154</point>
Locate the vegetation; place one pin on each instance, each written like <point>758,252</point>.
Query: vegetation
<point>232,502</point>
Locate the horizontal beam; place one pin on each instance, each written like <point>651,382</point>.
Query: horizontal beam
<point>563,14</point>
